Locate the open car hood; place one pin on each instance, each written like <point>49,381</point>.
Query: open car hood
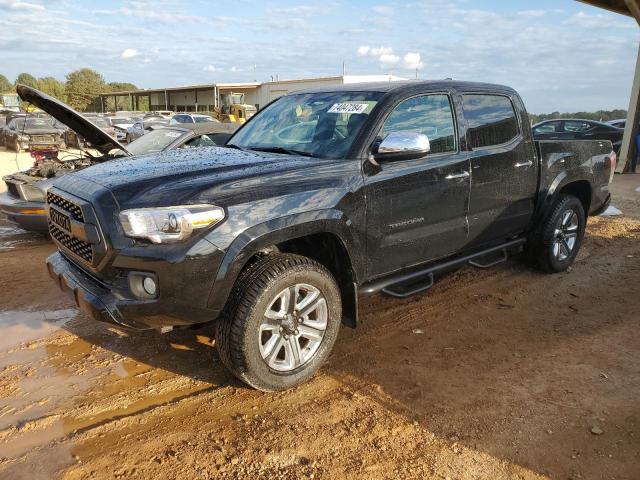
<point>98,138</point>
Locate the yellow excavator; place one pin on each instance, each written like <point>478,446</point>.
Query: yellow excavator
<point>233,109</point>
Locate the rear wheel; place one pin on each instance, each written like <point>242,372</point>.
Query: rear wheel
<point>16,146</point>
<point>280,323</point>
<point>558,238</point>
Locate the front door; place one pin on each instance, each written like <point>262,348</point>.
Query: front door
<point>416,209</point>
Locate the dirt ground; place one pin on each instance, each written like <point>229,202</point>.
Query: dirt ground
<point>499,374</point>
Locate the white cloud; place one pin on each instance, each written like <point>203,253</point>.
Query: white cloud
<point>210,68</point>
<point>376,52</point>
<point>363,50</point>
<point>389,59</point>
<point>413,61</point>
<point>586,20</point>
<point>129,53</point>
<point>17,5</point>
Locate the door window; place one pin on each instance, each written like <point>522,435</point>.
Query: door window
<point>431,115</point>
<point>491,120</point>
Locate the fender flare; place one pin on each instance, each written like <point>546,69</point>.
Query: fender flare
<point>277,230</point>
<point>548,197</point>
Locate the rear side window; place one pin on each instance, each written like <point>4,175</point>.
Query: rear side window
<point>551,127</point>
<point>428,114</point>
<point>576,126</point>
<point>491,120</point>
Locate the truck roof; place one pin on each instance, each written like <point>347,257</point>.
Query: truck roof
<point>397,86</point>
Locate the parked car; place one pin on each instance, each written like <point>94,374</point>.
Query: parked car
<point>121,124</point>
<point>72,139</point>
<point>142,127</point>
<point>571,129</point>
<point>322,195</point>
<point>160,113</point>
<point>32,133</point>
<point>620,123</point>
<point>24,201</point>
<point>192,118</point>
<point>169,137</point>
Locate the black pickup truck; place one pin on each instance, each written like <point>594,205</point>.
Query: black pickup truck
<point>325,195</point>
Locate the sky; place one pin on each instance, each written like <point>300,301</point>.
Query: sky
<point>561,55</point>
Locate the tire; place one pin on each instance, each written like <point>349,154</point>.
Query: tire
<point>557,239</point>
<point>252,345</point>
<point>16,146</point>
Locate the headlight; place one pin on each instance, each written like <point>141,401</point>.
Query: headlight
<point>31,193</point>
<point>169,224</point>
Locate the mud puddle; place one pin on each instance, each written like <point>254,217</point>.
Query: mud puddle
<point>13,237</point>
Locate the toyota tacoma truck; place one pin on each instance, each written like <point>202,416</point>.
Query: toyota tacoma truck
<point>323,196</point>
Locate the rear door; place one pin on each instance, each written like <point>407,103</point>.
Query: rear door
<point>504,169</point>
<point>416,209</point>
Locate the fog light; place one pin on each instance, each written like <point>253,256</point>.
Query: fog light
<point>149,285</point>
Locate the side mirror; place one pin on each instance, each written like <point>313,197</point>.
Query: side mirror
<point>403,146</point>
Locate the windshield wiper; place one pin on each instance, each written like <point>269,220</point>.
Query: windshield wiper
<point>233,145</point>
<point>288,151</point>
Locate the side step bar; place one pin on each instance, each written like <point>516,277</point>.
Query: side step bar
<point>404,285</point>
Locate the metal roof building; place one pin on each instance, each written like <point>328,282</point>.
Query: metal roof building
<point>628,153</point>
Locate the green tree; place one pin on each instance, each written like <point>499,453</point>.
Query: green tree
<point>5,85</point>
<point>83,89</point>
<point>27,79</point>
<point>52,86</point>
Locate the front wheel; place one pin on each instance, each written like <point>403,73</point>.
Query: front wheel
<point>558,238</point>
<point>280,323</point>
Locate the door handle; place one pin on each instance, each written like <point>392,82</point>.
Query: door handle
<point>528,163</point>
<point>453,176</point>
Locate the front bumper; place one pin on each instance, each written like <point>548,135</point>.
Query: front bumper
<point>117,305</point>
<point>30,216</point>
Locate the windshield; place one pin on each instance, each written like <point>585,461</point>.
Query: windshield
<point>100,122</point>
<point>122,120</point>
<point>315,124</point>
<point>32,123</point>
<point>154,141</point>
<point>203,119</point>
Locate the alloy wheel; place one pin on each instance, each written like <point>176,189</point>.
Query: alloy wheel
<point>565,235</point>
<point>293,327</point>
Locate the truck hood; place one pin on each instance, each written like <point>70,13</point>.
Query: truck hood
<point>195,175</point>
<point>72,119</point>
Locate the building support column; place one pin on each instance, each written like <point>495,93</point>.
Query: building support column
<point>628,153</point>
<point>166,100</point>
<point>195,94</point>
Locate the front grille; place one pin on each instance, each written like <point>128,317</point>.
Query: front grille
<point>78,247</point>
<point>65,204</point>
<point>82,249</point>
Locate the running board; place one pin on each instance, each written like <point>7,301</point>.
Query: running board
<point>501,259</point>
<point>404,285</point>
